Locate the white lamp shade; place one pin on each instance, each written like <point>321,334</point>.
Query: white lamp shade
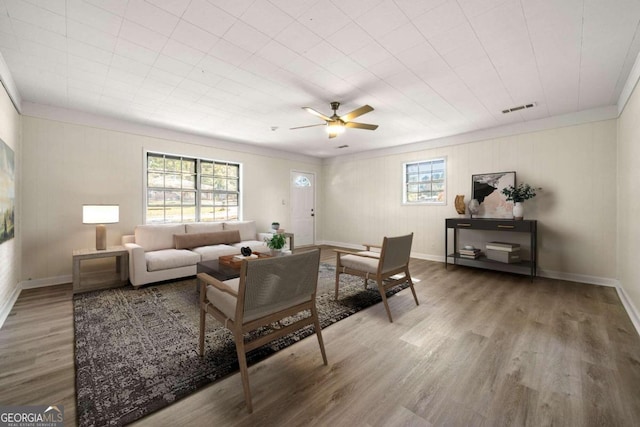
<point>100,214</point>
<point>335,127</point>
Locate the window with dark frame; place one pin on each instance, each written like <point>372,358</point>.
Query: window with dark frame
<point>424,182</point>
<point>187,189</point>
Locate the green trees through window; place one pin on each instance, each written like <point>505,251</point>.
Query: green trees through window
<point>183,189</point>
<point>424,182</point>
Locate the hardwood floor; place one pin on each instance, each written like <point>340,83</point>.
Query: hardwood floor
<point>483,348</point>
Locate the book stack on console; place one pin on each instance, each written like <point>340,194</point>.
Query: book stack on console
<point>503,252</point>
<point>469,252</point>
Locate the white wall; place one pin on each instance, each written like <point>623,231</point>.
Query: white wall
<point>576,166</point>
<point>629,200</point>
<point>359,197</point>
<point>10,250</point>
<point>68,165</point>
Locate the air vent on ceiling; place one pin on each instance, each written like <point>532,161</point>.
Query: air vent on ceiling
<point>518,108</point>
<point>342,146</point>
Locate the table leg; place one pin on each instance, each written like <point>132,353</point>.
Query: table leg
<point>122,267</point>
<point>76,273</point>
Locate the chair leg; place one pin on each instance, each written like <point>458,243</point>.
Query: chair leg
<point>413,291</point>
<point>383,294</point>
<point>203,316</point>
<point>244,373</point>
<point>337,275</point>
<point>316,322</point>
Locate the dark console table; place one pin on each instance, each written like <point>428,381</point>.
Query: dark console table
<point>528,267</point>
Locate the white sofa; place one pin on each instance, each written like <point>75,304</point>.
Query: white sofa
<point>169,251</point>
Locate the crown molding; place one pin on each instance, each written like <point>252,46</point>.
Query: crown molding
<point>104,122</point>
<point>10,85</point>
<point>93,120</point>
<point>629,86</point>
<point>554,122</point>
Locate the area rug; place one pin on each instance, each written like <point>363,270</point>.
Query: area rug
<point>137,350</point>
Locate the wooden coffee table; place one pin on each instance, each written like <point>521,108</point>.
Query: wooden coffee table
<point>225,267</point>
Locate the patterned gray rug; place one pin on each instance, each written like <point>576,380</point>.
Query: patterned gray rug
<point>137,351</point>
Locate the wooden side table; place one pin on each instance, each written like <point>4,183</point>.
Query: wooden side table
<point>101,279</point>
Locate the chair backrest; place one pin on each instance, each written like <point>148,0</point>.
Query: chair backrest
<point>274,284</point>
<point>395,253</point>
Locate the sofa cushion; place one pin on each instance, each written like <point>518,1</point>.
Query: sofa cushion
<point>248,230</point>
<point>158,236</point>
<point>195,240</point>
<point>214,252</point>
<point>170,258</point>
<point>204,227</point>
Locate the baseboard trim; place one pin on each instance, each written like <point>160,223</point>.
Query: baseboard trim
<point>632,312</point>
<point>550,274</point>
<point>580,278</point>
<point>340,244</point>
<point>6,308</point>
<point>361,248</point>
<point>30,284</point>
<point>47,281</point>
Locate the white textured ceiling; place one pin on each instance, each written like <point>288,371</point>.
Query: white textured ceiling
<point>233,69</point>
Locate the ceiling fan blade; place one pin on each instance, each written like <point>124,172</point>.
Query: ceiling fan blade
<point>356,113</point>
<point>332,135</point>
<point>361,126</point>
<point>308,126</point>
<point>316,113</point>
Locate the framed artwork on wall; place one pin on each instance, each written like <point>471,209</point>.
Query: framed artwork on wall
<point>487,188</point>
<point>7,192</point>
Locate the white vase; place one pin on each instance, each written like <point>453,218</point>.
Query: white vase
<point>518,210</point>
<point>474,207</point>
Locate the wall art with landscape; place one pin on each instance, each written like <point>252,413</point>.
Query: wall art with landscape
<point>7,192</point>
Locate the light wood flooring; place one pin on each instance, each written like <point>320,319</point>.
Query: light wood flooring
<point>482,349</point>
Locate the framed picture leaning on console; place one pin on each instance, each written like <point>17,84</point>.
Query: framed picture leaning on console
<point>487,188</point>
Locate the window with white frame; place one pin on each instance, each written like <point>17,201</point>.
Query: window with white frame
<point>424,182</point>
<point>187,189</point>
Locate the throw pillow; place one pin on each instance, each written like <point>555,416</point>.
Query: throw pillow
<point>196,240</point>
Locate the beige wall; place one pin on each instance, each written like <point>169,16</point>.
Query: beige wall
<point>629,199</point>
<point>576,210</point>
<point>10,250</point>
<point>68,165</point>
<point>359,197</point>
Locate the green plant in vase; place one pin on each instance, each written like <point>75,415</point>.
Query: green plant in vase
<point>518,195</point>
<point>276,242</point>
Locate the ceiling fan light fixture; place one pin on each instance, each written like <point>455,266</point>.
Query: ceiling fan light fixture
<point>335,128</point>
<point>336,124</point>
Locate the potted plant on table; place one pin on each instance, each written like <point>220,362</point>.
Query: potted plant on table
<point>276,243</point>
<point>518,195</point>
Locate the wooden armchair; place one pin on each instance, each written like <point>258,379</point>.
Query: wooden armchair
<point>267,291</point>
<point>392,259</point>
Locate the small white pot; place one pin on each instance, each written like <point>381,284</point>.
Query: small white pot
<point>518,210</point>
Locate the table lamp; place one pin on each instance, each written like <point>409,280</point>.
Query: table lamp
<point>100,215</point>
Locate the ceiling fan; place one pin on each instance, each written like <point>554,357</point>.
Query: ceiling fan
<point>336,124</point>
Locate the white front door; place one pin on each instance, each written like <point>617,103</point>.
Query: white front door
<point>303,208</point>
